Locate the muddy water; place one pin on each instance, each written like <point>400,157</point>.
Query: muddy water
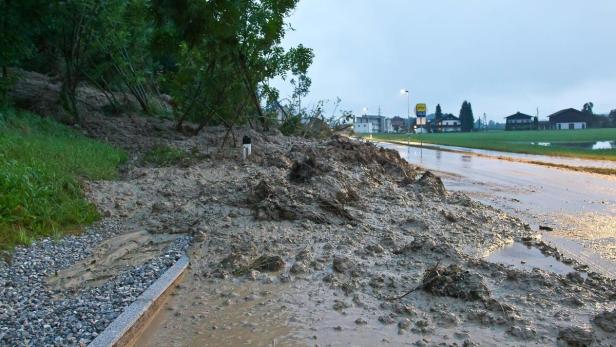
<point>580,207</point>
<point>528,258</point>
<point>222,314</point>
<point>580,162</point>
<point>210,313</point>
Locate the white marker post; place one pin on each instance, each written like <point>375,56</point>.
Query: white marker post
<point>420,111</point>
<point>246,147</point>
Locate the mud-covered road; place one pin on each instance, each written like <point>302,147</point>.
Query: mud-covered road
<point>338,243</point>
<point>579,206</point>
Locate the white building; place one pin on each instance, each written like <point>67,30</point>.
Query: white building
<point>448,123</point>
<point>371,124</point>
<point>363,128</point>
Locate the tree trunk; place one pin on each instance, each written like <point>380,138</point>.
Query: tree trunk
<point>251,90</point>
<point>4,88</point>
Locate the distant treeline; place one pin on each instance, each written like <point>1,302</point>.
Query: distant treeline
<point>215,58</point>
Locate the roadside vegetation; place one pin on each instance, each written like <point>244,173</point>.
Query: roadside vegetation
<point>214,61</point>
<point>41,166</point>
<point>210,62</point>
<point>163,155</point>
<point>561,142</point>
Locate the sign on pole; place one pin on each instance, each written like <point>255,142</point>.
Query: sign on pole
<point>420,112</point>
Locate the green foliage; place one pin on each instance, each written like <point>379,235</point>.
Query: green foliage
<point>439,113</point>
<point>587,108</point>
<point>41,165</point>
<point>467,120</point>
<point>314,123</point>
<point>227,53</point>
<point>291,125</point>
<point>19,22</point>
<point>167,156</point>
<point>216,58</point>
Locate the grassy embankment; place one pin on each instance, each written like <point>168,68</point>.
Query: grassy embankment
<point>41,166</point>
<point>562,143</point>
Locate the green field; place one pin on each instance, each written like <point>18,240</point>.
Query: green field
<point>41,166</point>
<point>568,143</point>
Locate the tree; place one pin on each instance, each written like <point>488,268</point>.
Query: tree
<point>77,29</point>
<point>612,117</point>
<point>228,53</point>
<point>587,108</point>
<point>467,119</point>
<point>439,113</point>
<point>20,20</point>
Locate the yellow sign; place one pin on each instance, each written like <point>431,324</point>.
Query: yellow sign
<point>420,110</point>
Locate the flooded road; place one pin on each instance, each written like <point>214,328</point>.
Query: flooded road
<point>574,162</point>
<point>579,207</point>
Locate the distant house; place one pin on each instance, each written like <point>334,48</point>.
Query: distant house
<point>370,124</point>
<point>520,121</point>
<point>448,123</point>
<point>363,128</point>
<point>399,123</point>
<point>569,119</point>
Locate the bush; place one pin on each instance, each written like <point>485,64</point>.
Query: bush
<point>165,156</point>
<point>41,166</point>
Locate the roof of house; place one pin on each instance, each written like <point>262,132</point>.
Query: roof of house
<point>449,116</point>
<point>367,117</point>
<point>568,115</point>
<point>519,115</point>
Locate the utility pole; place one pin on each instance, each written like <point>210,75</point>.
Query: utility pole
<point>408,112</point>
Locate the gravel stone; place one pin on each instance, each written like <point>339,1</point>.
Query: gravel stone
<point>33,314</point>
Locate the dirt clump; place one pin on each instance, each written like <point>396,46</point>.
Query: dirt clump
<point>343,265</point>
<point>575,337</point>
<point>455,282</point>
<point>269,263</point>
<point>302,171</point>
<point>606,320</point>
<point>430,183</point>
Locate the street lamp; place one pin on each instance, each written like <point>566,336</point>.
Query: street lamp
<point>408,105</point>
<point>408,112</point>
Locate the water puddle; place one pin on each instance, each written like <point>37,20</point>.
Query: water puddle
<point>528,258</point>
<point>592,145</point>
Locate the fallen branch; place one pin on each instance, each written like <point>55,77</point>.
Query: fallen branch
<point>421,286</point>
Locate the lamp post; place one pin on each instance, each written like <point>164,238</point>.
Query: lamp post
<point>408,111</point>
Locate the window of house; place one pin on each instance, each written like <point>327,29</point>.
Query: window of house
<point>571,126</point>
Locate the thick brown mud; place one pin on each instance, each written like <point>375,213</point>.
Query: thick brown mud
<point>363,249</point>
<point>580,208</point>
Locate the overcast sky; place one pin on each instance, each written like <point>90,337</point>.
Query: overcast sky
<point>501,55</point>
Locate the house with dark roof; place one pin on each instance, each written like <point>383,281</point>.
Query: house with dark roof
<point>569,119</point>
<point>447,123</point>
<point>520,121</point>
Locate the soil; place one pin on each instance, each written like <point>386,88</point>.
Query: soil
<point>340,242</point>
<point>328,242</point>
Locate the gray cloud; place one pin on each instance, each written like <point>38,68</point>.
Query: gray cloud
<point>503,56</point>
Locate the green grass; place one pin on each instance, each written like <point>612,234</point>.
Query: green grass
<point>42,164</point>
<point>163,155</point>
<point>520,141</point>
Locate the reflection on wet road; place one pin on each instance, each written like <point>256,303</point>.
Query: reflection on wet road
<point>579,206</point>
